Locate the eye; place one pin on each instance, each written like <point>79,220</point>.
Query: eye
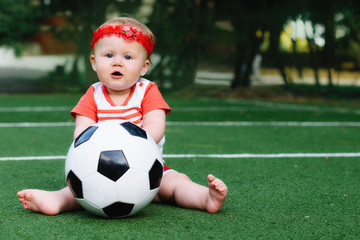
<point>109,55</point>
<point>127,57</point>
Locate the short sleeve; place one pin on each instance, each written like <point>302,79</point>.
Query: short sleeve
<point>153,100</point>
<point>86,105</point>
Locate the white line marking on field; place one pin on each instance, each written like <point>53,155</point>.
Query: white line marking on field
<point>218,109</point>
<point>256,123</point>
<point>245,106</point>
<point>250,155</point>
<point>32,158</point>
<point>37,124</point>
<point>294,107</point>
<point>205,124</point>
<point>35,109</point>
<point>220,156</point>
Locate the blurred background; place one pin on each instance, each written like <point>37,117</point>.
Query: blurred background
<point>219,47</point>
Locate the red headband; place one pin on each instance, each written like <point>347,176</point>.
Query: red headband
<point>129,33</point>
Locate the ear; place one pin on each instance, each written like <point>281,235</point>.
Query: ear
<point>92,61</point>
<point>145,67</point>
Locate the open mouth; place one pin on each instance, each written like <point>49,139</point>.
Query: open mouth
<point>116,74</point>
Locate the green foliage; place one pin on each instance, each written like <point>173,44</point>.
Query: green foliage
<point>180,28</point>
<point>82,17</point>
<point>189,34</point>
<point>17,22</point>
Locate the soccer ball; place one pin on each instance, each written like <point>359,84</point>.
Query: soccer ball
<point>114,169</point>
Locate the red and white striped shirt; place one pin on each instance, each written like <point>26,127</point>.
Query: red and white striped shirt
<point>97,105</point>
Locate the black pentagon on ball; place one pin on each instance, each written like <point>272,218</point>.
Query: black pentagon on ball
<point>134,130</point>
<point>112,164</point>
<point>85,135</point>
<point>75,185</point>
<point>118,209</point>
<point>155,174</point>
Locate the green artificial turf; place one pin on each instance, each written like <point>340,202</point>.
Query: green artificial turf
<point>269,198</point>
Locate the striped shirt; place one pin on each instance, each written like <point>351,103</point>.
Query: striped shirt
<point>97,105</point>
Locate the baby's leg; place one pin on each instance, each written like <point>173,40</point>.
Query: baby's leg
<point>49,203</point>
<point>179,189</point>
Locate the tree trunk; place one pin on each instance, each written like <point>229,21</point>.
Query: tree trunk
<point>254,49</point>
<point>329,46</point>
<point>274,50</point>
<point>313,60</point>
<point>239,60</point>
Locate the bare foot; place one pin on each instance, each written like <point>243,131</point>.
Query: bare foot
<point>40,201</point>
<point>217,194</point>
<point>49,203</point>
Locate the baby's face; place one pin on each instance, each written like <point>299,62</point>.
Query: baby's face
<point>119,63</point>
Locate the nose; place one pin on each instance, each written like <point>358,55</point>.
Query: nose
<point>116,61</point>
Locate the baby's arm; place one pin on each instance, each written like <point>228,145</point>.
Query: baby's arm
<point>154,123</point>
<point>82,123</point>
